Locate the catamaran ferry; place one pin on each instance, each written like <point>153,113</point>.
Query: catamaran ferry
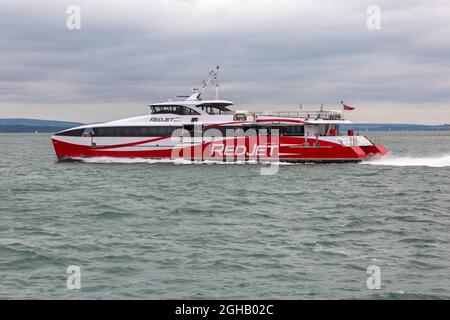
<point>196,129</point>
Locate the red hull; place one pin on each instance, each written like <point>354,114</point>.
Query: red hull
<point>290,149</point>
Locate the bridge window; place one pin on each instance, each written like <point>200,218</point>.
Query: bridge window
<point>180,110</point>
<point>71,133</point>
<point>214,108</point>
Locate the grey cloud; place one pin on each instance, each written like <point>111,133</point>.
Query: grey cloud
<point>271,53</point>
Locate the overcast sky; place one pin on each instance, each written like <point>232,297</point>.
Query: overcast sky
<point>272,54</point>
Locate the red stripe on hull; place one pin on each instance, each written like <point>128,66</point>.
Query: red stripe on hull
<point>131,144</point>
<point>222,124</point>
<point>281,120</point>
<point>66,150</point>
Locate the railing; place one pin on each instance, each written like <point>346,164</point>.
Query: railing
<point>349,141</point>
<point>375,140</point>
<point>325,115</point>
<point>352,141</point>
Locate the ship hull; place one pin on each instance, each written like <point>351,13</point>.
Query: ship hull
<point>283,149</point>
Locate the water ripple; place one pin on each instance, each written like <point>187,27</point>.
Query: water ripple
<point>157,230</point>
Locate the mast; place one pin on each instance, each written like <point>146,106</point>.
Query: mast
<point>197,94</point>
<point>217,91</point>
<point>211,79</point>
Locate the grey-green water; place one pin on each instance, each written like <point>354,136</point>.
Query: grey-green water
<point>159,230</point>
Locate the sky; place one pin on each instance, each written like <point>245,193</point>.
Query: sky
<point>273,55</point>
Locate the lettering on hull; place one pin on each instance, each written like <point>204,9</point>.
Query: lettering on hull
<point>241,150</point>
<point>165,119</point>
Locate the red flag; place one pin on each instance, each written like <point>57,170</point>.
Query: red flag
<point>346,107</point>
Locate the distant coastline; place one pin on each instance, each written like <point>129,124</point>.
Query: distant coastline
<point>18,125</point>
<point>394,127</point>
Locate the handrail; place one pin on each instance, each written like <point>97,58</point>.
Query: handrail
<point>326,115</point>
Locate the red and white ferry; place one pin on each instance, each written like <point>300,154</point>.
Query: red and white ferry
<point>195,129</point>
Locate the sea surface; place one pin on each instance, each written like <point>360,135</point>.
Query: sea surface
<point>152,230</point>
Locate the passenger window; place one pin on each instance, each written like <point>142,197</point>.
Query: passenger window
<point>88,132</point>
<point>71,133</point>
<point>240,117</point>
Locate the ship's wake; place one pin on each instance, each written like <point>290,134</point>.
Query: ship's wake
<point>388,160</point>
<point>130,160</point>
<point>106,160</point>
<point>397,161</point>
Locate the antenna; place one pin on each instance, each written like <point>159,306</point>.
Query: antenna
<point>212,78</point>
<point>217,90</point>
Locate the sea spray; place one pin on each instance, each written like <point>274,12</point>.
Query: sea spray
<point>123,160</point>
<point>398,161</point>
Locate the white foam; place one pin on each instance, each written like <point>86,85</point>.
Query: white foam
<point>131,160</point>
<point>388,160</point>
<point>392,160</point>
<point>173,161</point>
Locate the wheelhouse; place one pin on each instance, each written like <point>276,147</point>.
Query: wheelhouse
<point>193,108</point>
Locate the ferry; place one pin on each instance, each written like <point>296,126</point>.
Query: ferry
<point>193,128</point>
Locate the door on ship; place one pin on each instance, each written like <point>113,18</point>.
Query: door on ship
<point>311,131</point>
<point>90,134</point>
<point>193,133</point>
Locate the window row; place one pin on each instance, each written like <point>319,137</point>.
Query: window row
<point>290,130</point>
<point>152,131</point>
<point>161,131</point>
